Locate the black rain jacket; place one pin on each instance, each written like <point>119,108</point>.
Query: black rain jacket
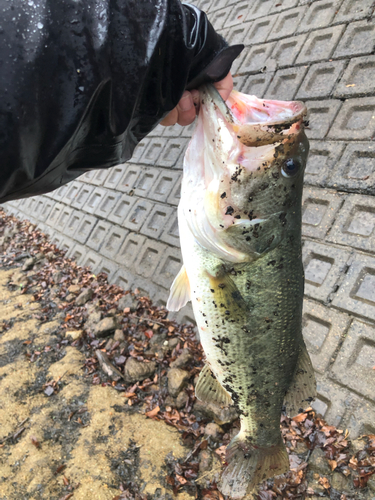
<point>83,81</point>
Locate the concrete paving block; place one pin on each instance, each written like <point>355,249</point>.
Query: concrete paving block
<point>321,117</point>
<point>332,401</point>
<point>258,84</point>
<point>205,5</point>
<point>138,214</point>
<point>73,223</point>
<point>282,5</point>
<point>139,150</point>
<point>162,188</point>
<point>256,59</point>
<point>85,228</point>
<point>61,192</point>
<point>351,10</point>
<point>286,83</point>
<point>237,63</point>
<point>54,214</point>
<point>151,154</point>
<point>92,260</point>
<point>107,204</point>
<point>322,159</point>
<point>320,45</point>
<point>130,250</point>
<point>113,241</point>
<point>319,15</point>
<point>124,279</point>
<point>355,120</point>
<point>44,208</point>
<point>114,176</point>
<point>121,209</point>
<point>57,238</point>
<point>65,244</point>
<point>358,79</point>
<point>145,288</point>
<point>63,219</point>
<point>359,417</point>
<point>286,51</point>
<point>87,176</point>
<point>219,17</point>
<point>173,150</point>
<point>358,39</point>
<point>319,209</point>
<point>77,252</point>
<point>128,181</point>
<point>287,23</point>
<point>260,29</point>
<point>98,235</point>
<point>174,131</point>
<point>175,196</point>
<point>357,292</point>
<point>160,298</point>
<point>238,33</point>
<point>323,328</point>
<point>157,131</point>
<point>356,169</point>
<point>94,200</point>
<point>109,268</point>
<point>187,132</point>
<point>354,365</point>
<point>168,268</point>
<point>82,196</point>
<point>71,193</point>
<point>149,257</point>
<point>100,177</point>
<point>355,224</point>
<point>237,15</point>
<point>147,178</point>
<point>171,234</point>
<point>324,265</point>
<point>157,220</point>
<point>259,8</point>
<point>320,80</point>
<point>185,315</point>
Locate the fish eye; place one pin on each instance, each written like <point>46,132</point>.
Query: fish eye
<point>290,168</point>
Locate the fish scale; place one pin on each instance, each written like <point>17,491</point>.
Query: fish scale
<point>240,231</point>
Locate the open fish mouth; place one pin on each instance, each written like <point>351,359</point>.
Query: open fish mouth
<point>259,122</point>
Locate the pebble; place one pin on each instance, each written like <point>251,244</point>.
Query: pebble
<point>181,400</point>
<point>135,371</point>
<point>119,335</point>
<point>84,297</point>
<point>105,327</point>
<point>318,462</point>
<point>183,359</point>
<point>75,334</point>
<point>74,289</point>
<point>128,301</point>
<point>177,378</point>
<point>213,431</point>
<point>220,415</point>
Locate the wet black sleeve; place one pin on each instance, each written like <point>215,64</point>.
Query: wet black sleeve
<point>83,83</point>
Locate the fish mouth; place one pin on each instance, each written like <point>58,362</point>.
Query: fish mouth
<point>259,122</point>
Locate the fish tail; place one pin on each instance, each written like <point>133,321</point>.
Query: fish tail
<point>249,465</point>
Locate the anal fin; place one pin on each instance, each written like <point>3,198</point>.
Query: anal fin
<point>302,389</point>
<point>209,390</point>
<point>180,291</point>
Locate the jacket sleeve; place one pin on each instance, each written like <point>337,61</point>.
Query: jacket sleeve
<point>83,83</point>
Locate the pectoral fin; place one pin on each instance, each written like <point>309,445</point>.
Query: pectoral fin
<point>302,389</point>
<point>209,390</point>
<point>180,291</point>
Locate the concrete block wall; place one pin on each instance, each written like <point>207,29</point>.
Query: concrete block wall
<point>124,220</point>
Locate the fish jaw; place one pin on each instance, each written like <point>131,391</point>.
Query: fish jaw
<point>224,178</point>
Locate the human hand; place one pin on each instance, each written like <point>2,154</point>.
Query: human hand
<point>185,111</point>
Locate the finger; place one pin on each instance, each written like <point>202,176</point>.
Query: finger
<point>187,117</point>
<point>170,119</point>
<point>225,86</point>
<point>186,109</point>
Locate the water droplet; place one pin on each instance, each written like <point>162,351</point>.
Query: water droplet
<point>40,25</point>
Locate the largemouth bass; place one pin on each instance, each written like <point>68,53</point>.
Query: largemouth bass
<point>240,232</point>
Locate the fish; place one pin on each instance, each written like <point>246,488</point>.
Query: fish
<point>239,220</point>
